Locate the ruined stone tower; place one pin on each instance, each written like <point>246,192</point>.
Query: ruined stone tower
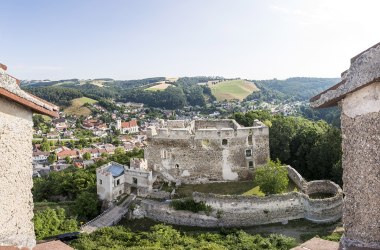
<point>358,95</point>
<point>207,150</point>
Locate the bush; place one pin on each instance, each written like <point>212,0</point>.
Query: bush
<point>272,178</point>
<point>52,222</point>
<point>191,205</point>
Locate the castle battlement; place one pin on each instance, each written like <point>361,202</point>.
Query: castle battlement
<point>207,129</point>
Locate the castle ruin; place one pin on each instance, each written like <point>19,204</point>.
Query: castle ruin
<point>206,150</point>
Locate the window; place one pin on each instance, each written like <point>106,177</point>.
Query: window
<point>250,164</point>
<point>164,154</point>
<point>119,191</point>
<point>134,180</point>
<point>250,140</point>
<point>118,182</point>
<point>248,152</point>
<point>176,165</point>
<point>100,182</point>
<point>224,142</point>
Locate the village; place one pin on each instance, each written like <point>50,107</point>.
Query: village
<point>80,141</point>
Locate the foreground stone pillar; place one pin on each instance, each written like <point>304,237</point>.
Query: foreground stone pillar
<point>358,94</point>
<point>16,132</point>
<point>16,203</point>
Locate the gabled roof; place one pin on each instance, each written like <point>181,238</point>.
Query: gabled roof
<point>364,70</point>
<point>132,123</point>
<point>10,89</point>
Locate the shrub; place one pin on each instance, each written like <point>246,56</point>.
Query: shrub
<point>191,205</point>
<point>272,178</point>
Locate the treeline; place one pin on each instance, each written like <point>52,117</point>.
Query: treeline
<point>330,115</point>
<point>291,89</point>
<point>312,148</point>
<point>184,92</point>
<point>57,95</point>
<point>130,84</point>
<point>165,237</point>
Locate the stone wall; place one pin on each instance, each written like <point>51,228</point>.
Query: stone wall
<point>297,179</point>
<point>210,153</point>
<point>16,203</point>
<point>243,211</point>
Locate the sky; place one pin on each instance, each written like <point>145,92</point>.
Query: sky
<point>134,39</point>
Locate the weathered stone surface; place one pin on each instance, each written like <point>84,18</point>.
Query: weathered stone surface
<point>16,204</point>
<point>361,177</point>
<point>207,150</point>
<point>241,211</point>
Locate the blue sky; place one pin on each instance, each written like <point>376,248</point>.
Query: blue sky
<point>122,39</point>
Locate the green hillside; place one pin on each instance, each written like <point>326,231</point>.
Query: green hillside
<point>234,89</point>
<point>77,108</point>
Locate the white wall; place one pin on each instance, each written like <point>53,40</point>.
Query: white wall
<point>16,203</point>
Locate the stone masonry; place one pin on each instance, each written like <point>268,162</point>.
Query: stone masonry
<point>16,203</point>
<point>358,94</point>
<point>207,150</point>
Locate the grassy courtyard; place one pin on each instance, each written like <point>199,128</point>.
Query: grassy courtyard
<point>225,188</point>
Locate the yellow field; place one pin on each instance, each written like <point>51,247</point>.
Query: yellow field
<point>234,89</point>
<point>77,108</point>
<point>160,86</point>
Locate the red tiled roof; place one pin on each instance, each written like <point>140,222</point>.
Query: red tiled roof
<point>67,153</point>
<point>56,245</point>
<point>9,89</point>
<point>129,124</point>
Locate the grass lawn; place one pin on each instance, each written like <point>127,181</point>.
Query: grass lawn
<point>236,187</point>
<point>226,188</point>
<point>77,108</point>
<point>254,191</point>
<point>160,86</point>
<point>235,89</point>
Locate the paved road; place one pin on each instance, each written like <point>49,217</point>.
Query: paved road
<point>109,218</point>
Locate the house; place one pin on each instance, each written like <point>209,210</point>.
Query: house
<point>16,130</point>
<point>114,179</point>
<point>358,95</point>
<point>67,153</point>
<point>127,127</point>
<point>39,156</point>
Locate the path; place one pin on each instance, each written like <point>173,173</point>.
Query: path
<point>110,217</point>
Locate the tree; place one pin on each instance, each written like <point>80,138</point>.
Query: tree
<point>272,178</point>
<point>52,158</point>
<point>52,222</point>
<point>68,160</point>
<point>87,205</point>
<point>45,146</point>
<point>86,156</point>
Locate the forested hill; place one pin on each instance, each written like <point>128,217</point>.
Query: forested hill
<point>175,93</point>
<point>292,89</point>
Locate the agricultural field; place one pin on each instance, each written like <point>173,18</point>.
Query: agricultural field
<point>160,86</point>
<point>77,107</point>
<point>234,89</point>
